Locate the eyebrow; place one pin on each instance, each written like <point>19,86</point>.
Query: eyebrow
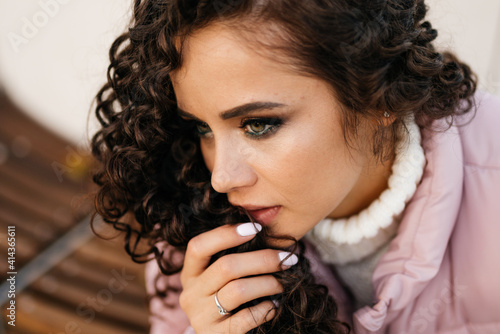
<point>238,111</point>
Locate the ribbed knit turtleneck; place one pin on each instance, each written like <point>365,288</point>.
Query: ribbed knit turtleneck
<point>355,244</point>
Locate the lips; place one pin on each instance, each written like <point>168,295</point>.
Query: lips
<point>264,215</point>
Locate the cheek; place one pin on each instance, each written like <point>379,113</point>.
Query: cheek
<point>315,167</point>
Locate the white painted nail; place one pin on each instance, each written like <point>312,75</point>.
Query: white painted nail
<point>247,229</point>
<point>290,261</point>
<point>276,303</point>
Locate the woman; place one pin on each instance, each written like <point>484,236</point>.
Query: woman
<point>301,167</point>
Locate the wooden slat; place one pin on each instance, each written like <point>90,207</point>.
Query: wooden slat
<point>122,308</point>
<point>46,146</point>
<point>27,225</point>
<point>43,315</point>
<point>43,209</point>
<point>60,192</point>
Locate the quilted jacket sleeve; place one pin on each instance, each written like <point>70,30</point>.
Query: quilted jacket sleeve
<point>166,316</point>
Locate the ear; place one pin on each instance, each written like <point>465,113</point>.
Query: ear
<point>387,118</point>
<point>383,118</point>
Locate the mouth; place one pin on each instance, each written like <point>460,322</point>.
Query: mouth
<point>264,216</point>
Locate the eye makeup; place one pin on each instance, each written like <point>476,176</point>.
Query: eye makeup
<point>255,127</point>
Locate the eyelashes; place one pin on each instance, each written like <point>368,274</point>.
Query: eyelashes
<point>260,127</point>
<point>255,128</point>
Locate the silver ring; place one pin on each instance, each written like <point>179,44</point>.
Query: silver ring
<point>222,310</point>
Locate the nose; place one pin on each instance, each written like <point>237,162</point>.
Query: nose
<point>232,167</point>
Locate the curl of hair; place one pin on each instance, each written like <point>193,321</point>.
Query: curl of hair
<point>376,55</point>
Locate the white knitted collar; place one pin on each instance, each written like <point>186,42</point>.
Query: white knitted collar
<point>407,172</point>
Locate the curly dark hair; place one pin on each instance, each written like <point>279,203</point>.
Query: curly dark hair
<point>376,55</point>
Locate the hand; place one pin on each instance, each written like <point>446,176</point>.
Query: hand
<point>200,281</point>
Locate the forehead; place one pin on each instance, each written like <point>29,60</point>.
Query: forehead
<point>211,47</point>
<point>221,46</point>
<point>220,66</point>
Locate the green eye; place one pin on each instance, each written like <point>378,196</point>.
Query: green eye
<point>202,129</point>
<point>258,127</point>
<point>261,126</point>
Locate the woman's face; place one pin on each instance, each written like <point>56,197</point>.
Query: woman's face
<point>271,138</point>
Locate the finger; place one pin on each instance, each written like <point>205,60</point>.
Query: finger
<point>250,318</point>
<point>240,291</point>
<point>238,265</point>
<point>202,247</point>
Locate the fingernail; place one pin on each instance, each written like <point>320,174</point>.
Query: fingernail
<point>189,330</point>
<point>276,303</point>
<point>290,261</point>
<point>247,229</point>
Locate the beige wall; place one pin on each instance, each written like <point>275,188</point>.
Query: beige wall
<point>56,73</point>
<point>472,29</point>
<point>54,70</point>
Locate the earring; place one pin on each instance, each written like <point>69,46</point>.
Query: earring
<point>386,114</point>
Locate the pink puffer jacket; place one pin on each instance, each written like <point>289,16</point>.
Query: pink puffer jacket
<point>441,273</point>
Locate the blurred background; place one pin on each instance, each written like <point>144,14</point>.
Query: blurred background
<point>53,58</point>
